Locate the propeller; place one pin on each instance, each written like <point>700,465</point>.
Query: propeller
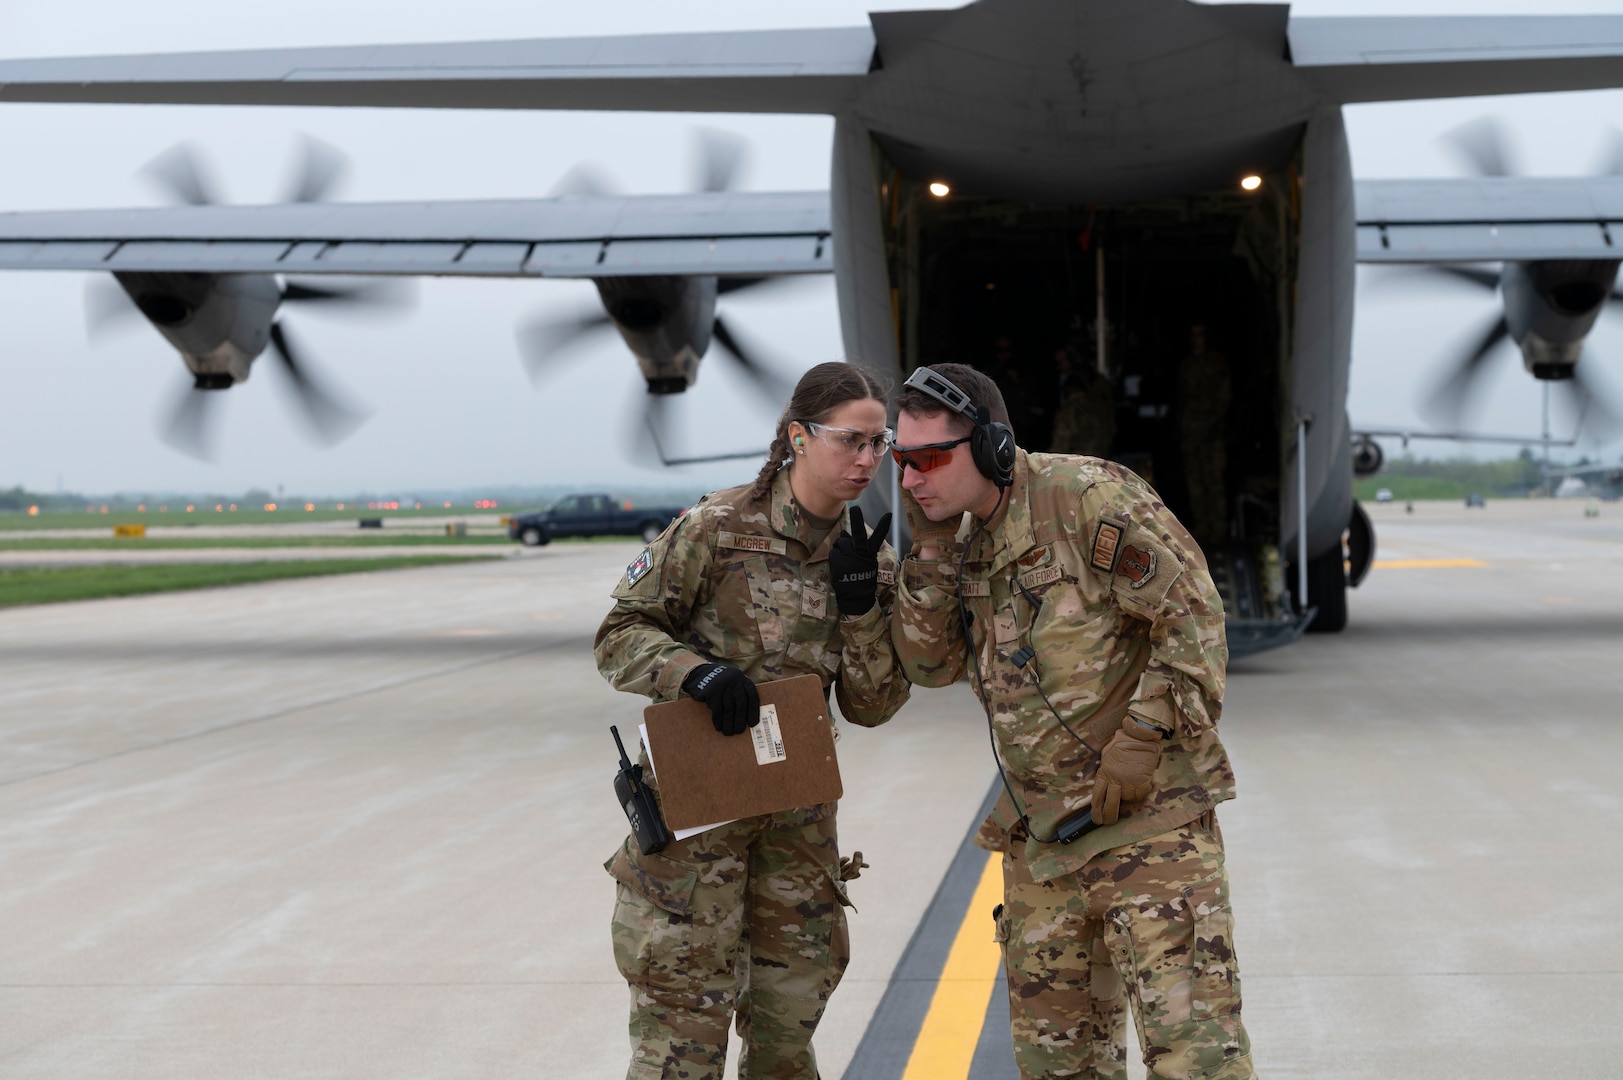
<point>544,342</point>
<point>183,175</point>
<point>1486,147</point>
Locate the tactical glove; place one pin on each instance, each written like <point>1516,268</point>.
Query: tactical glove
<point>733,700</point>
<point>853,562</point>
<point>1126,769</point>
<point>940,535</point>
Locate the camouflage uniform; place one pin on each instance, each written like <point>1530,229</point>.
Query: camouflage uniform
<point>1203,408</point>
<point>1123,617</point>
<point>748,917</point>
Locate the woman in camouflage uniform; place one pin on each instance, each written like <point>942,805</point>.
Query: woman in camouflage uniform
<point>755,583</point>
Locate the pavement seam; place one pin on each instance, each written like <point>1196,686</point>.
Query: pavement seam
<point>291,710</point>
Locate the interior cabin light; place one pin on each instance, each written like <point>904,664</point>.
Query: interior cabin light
<point>940,190</point>
<point>1252,182</point>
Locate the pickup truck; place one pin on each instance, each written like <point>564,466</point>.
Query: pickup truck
<point>589,515</point>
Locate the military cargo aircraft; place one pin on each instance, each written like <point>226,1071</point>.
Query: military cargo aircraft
<point>1114,170</point>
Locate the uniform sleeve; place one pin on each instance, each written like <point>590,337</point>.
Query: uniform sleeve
<point>637,647</point>
<point>871,686</point>
<point>1158,574</point>
<point>924,624</point>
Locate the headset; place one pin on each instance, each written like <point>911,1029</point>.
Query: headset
<point>991,444</point>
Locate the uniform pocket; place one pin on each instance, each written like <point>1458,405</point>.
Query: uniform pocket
<point>1216,974</point>
<point>742,598</point>
<point>665,883</point>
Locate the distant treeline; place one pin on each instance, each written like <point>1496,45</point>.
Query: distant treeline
<point>1410,477</point>
<point>19,499</point>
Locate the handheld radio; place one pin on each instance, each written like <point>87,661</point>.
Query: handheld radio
<point>638,803</point>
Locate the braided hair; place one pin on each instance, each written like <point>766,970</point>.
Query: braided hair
<point>818,393</point>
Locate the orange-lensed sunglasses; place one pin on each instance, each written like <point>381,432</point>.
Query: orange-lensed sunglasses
<point>928,457</point>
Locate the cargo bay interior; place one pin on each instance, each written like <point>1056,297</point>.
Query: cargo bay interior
<point>1185,382</point>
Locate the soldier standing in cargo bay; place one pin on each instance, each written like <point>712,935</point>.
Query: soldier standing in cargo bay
<point>1097,649</point>
<point>754,584</point>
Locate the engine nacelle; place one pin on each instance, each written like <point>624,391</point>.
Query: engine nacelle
<point>666,323</point>
<point>1367,456</point>
<point>1551,306</point>
<point>220,323</point>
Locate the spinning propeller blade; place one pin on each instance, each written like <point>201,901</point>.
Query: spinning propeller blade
<point>329,417</point>
<point>188,424</point>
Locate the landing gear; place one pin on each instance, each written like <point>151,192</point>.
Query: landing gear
<point>1327,591</point>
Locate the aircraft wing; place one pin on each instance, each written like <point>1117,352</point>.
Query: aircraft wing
<point>1489,219</point>
<point>769,71</point>
<point>1404,58</point>
<point>725,234</point>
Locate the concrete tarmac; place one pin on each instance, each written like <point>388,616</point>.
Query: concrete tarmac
<point>354,826</point>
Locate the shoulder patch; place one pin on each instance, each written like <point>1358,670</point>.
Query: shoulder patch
<point>1137,565</point>
<point>751,542</point>
<point>639,566</point>
<point>1106,547</point>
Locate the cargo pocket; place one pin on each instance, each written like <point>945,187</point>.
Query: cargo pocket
<point>664,882</point>
<point>839,938</point>
<point>1216,975</point>
<point>645,1070</point>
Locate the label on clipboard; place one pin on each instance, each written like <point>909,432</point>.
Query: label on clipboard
<point>768,738</point>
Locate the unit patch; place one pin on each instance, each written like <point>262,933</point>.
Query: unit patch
<point>639,566</point>
<point>751,542</point>
<point>1137,565</point>
<point>1106,547</point>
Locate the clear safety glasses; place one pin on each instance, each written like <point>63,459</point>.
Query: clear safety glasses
<point>928,457</point>
<point>850,442</point>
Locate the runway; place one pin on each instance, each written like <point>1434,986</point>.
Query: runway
<point>355,826</point>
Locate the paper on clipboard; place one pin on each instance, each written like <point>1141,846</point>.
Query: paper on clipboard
<point>676,834</point>
<point>786,760</point>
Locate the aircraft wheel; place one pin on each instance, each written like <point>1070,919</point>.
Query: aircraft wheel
<point>1327,591</point>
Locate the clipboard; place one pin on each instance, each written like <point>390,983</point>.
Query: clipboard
<point>785,762</point>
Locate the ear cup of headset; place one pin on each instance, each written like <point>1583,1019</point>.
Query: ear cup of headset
<point>991,445</point>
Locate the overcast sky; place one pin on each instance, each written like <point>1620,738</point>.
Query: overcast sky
<point>451,405</point>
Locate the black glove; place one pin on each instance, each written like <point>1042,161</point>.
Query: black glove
<point>854,564</point>
<point>734,703</point>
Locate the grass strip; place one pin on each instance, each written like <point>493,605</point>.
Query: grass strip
<point>185,543</point>
<point>57,584</point>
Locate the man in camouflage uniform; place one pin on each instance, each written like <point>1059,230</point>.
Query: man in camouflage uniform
<point>1086,420</point>
<point>1204,394</point>
<point>747,917</point>
<point>1081,586</point>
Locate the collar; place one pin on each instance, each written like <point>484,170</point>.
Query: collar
<point>789,520</point>
<point>1008,534</point>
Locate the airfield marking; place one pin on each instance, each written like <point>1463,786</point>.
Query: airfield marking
<point>1426,564</point>
<point>946,1043</point>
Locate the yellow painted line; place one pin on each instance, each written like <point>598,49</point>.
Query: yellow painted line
<point>1425,564</point>
<point>945,1047</point>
